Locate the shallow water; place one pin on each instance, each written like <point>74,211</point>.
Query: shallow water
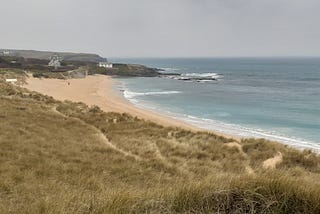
<point>274,98</point>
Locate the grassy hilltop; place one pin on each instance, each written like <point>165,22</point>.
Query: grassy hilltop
<point>65,157</point>
<point>45,55</point>
<point>40,69</point>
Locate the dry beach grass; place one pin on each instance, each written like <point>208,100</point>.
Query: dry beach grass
<point>67,157</point>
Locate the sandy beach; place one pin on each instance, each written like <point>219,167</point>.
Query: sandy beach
<point>98,90</point>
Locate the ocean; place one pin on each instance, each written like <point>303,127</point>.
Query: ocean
<point>272,98</point>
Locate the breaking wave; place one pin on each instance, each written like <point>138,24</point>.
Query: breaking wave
<point>241,131</point>
<point>131,94</point>
<point>196,77</point>
<point>170,69</point>
<point>219,126</point>
<point>203,75</point>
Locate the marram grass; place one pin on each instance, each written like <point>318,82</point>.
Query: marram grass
<point>65,157</point>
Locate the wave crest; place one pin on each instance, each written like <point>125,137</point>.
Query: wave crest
<point>197,77</point>
<point>203,75</point>
<point>241,131</point>
<point>170,69</point>
<point>131,94</point>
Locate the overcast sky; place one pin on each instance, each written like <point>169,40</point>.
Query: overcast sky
<point>153,28</point>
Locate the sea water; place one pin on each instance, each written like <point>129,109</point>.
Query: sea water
<point>273,98</point>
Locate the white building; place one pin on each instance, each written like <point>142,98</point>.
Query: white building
<point>105,64</point>
<point>5,53</point>
<point>55,61</point>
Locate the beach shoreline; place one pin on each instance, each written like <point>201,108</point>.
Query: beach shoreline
<point>100,90</point>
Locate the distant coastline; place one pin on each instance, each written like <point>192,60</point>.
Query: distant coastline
<point>192,72</point>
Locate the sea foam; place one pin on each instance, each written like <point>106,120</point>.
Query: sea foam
<point>277,99</point>
<point>203,75</point>
<point>196,77</point>
<point>221,127</point>
<point>130,94</point>
<point>241,131</point>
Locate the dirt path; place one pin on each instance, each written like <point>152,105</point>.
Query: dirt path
<point>101,137</point>
<point>106,141</point>
<point>248,168</point>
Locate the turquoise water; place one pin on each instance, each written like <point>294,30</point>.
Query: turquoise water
<point>274,98</point>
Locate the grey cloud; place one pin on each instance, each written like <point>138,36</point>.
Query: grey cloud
<point>163,28</point>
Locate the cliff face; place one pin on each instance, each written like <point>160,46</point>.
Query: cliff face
<point>87,57</point>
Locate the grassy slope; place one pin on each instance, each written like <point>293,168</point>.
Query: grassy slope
<point>47,54</point>
<point>64,157</point>
<point>125,70</point>
<point>40,68</point>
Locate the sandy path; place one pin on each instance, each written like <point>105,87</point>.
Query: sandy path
<point>248,168</point>
<point>271,163</point>
<point>101,137</point>
<point>98,90</point>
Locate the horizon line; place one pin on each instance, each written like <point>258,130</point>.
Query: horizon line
<point>168,57</point>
